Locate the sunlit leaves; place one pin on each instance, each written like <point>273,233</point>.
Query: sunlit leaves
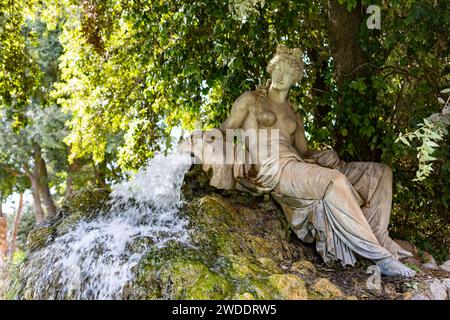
<point>430,133</point>
<point>17,68</point>
<point>242,9</point>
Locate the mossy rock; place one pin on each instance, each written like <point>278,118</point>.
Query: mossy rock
<point>290,286</point>
<point>231,257</point>
<point>82,205</point>
<point>303,267</point>
<point>87,203</point>
<point>326,289</point>
<point>40,237</point>
<point>240,249</point>
<point>181,279</point>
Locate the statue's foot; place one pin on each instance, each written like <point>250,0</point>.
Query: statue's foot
<point>391,267</point>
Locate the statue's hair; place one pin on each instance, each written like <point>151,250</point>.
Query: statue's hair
<point>292,56</point>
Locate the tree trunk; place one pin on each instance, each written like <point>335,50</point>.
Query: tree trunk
<point>69,185</point>
<point>343,27</point>
<point>319,88</point>
<point>74,166</point>
<point>99,173</point>
<point>350,62</point>
<point>38,211</point>
<point>3,234</point>
<point>43,181</point>
<point>13,247</point>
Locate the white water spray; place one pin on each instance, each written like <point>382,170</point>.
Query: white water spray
<point>93,260</point>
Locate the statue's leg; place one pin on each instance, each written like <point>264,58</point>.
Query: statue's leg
<point>373,182</point>
<point>342,205</point>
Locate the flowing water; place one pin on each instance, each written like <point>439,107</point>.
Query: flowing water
<point>93,260</point>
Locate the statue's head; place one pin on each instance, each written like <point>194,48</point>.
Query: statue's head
<point>286,67</point>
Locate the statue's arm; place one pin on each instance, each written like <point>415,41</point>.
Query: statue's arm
<point>239,112</point>
<point>300,142</point>
<point>325,158</point>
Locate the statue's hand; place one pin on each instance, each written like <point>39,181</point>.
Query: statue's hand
<point>199,141</point>
<point>191,144</point>
<point>185,145</point>
<point>327,158</point>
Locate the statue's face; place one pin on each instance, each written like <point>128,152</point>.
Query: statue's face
<point>283,76</point>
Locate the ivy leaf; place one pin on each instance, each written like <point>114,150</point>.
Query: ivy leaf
<point>404,141</point>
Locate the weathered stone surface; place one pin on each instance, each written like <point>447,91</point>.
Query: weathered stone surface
<point>446,283</point>
<point>240,250</point>
<point>303,266</point>
<point>326,289</point>
<point>290,286</point>
<point>419,296</point>
<point>238,256</point>
<point>39,237</point>
<point>244,296</point>
<point>433,289</point>
<point>430,266</point>
<point>437,290</point>
<point>445,266</point>
<point>87,203</point>
<point>429,262</point>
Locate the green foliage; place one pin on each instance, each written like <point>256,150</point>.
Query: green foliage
<point>408,66</point>
<point>26,224</point>
<point>100,84</point>
<point>17,70</point>
<point>163,64</point>
<point>431,131</point>
<point>242,9</point>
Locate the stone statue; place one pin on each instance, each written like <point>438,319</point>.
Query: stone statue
<point>344,207</point>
